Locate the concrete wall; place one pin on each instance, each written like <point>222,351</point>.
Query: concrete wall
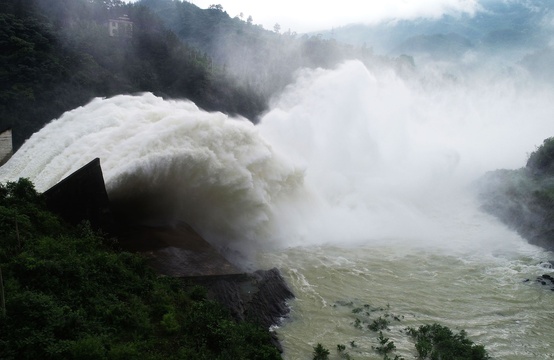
<point>82,196</point>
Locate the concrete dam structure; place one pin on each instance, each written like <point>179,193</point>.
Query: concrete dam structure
<point>177,251</point>
<point>173,251</point>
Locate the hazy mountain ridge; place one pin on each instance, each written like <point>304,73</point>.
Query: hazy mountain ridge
<point>265,60</point>
<point>58,55</point>
<point>496,24</point>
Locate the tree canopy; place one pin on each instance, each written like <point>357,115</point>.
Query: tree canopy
<point>69,293</point>
<point>56,55</point>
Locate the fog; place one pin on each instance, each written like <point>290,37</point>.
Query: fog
<point>299,16</point>
<point>344,156</point>
<point>381,150</point>
<point>394,158</point>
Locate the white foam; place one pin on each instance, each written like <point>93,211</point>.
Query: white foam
<point>344,156</point>
<point>389,158</point>
<point>181,163</point>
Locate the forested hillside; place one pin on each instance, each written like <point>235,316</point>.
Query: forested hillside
<point>56,55</point>
<point>524,198</point>
<point>263,59</point>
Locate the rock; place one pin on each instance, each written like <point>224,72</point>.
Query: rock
<point>519,201</point>
<point>177,251</point>
<point>268,305</point>
<point>546,280</point>
<point>259,297</point>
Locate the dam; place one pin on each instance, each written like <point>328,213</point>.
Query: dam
<point>176,251</point>
<point>173,251</point>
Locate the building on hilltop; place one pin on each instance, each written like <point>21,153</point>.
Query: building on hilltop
<point>121,27</point>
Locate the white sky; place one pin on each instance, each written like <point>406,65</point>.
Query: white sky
<point>310,15</point>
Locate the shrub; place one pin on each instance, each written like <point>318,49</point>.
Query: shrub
<point>89,348</point>
<point>320,353</point>
<point>439,342</point>
<point>379,324</point>
<point>541,161</point>
<point>385,346</point>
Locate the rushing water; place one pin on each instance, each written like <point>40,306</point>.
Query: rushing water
<point>356,184</point>
<point>481,292</point>
<point>397,227</point>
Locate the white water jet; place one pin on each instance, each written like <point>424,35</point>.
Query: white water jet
<point>344,156</point>
<point>170,160</point>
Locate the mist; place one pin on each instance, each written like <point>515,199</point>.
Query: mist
<point>394,158</point>
<point>355,146</point>
<point>296,16</point>
<point>344,156</point>
<point>166,162</point>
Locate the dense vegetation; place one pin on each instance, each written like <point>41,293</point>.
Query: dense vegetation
<point>68,293</point>
<point>439,342</point>
<point>541,161</point>
<point>431,342</point>
<point>256,58</point>
<point>524,198</point>
<point>56,55</point>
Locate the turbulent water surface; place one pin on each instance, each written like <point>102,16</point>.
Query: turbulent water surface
<point>357,184</point>
<point>483,293</point>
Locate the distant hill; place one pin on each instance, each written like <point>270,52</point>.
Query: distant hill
<point>497,25</point>
<point>257,58</point>
<point>56,55</point>
<point>439,46</point>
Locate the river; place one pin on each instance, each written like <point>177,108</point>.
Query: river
<point>481,291</point>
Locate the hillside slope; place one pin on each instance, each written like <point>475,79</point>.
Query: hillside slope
<point>524,198</point>
<point>57,55</point>
<point>496,25</point>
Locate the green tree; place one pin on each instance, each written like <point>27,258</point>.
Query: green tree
<point>70,295</point>
<point>541,161</point>
<point>217,7</point>
<point>320,353</point>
